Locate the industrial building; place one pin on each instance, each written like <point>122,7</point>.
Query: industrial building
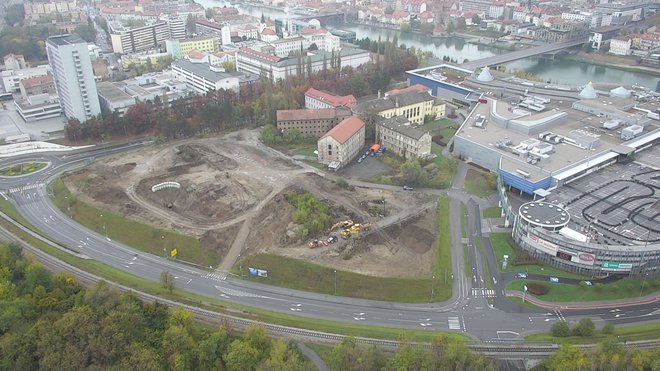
<point>339,146</point>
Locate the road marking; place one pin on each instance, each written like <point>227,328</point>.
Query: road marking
<point>454,323</point>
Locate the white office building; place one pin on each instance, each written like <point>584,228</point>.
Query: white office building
<point>203,77</point>
<point>177,27</point>
<point>73,76</point>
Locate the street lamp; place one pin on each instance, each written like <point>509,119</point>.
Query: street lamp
<point>335,282</point>
<point>524,293</point>
<point>432,287</point>
<point>103,225</point>
<point>68,206</point>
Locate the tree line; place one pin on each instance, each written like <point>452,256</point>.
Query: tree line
<point>255,105</point>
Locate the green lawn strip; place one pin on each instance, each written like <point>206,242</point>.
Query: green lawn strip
<point>155,288</point>
<point>22,169</point>
<point>317,165</point>
<point>307,150</point>
<point>480,245</point>
<point>526,304</point>
<point>131,232</point>
<point>476,184</point>
<point>492,212</point>
<point>466,258</point>
<point>442,266</point>
<point>622,289</point>
<point>647,331</point>
<point>436,126</point>
<point>9,209</point>
<point>501,247</point>
<point>301,275</point>
<point>463,220</point>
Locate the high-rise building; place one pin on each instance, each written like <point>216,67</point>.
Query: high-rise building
<point>74,76</point>
<point>177,27</point>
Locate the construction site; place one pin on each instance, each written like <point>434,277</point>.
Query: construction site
<point>230,193</point>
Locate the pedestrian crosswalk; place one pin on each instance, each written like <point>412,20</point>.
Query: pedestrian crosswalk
<point>25,188</point>
<point>483,293</point>
<point>454,323</point>
<point>217,276</point>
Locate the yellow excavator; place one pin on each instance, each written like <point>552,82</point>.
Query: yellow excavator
<point>342,224</point>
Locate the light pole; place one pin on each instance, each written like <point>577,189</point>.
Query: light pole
<point>432,287</point>
<point>524,293</point>
<point>68,206</point>
<point>335,282</point>
<point>103,226</point>
<point>643,282</point>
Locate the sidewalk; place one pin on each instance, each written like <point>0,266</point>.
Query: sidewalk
<point>9,150</point>
<point>649,299</point>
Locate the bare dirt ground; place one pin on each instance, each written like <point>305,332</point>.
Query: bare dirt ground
<point>231,196</point>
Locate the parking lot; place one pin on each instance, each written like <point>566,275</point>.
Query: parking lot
<point>368,168</point>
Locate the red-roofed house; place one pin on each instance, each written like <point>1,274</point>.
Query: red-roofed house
<point>416,87</point>
<point>339,146</point>
<point>315,99</point>
<point>426,17</point>
<point>310,122</point>
<point>37,85</point>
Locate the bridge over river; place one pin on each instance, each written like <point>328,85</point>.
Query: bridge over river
<point>524,53</point>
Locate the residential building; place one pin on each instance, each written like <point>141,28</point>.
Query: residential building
<point>14,62</point>
<point>415,105</point>
<point>276,68</point>
<point>177,27</point>
<point>73,75</point>
<point>399,136</point>
<point>316,99</point>
<point>339,146</point>
<point>602,36</point>
<point>37,85</point>
<point>323,39</point>
<point>620,45</point>
<point>180,48</point>
<point>310,122</point>
<point>150,56</point>
<point>284,47</point>
<point>208,28</point>
<point>11,79</point>
<point>203,77</point>
<point>112,98</point>
<point>38,107</point>
<point>557,30</point>
<point>130,40</point>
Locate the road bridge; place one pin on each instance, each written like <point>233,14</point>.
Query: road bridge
<point>524,53</point>
<point>324,18</point>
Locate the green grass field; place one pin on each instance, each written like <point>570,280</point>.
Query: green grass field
<point>623,289</point>
<point>22,169</point>
<point>501,247</point>
<point>442,266</point>
<point>307,150</point>
<point>444,127</point>
<point>647,331</point>
<point>492,212</point>
<point>476,184</point>
<point>131,232</point>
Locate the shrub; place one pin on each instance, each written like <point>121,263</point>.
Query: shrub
<point>599,286</point>
<point>583,284</point>
<point>537,288</point>
<point>585,327</point>
<point>341,182</point>
<point>608,328</point>
<point>560,329</point>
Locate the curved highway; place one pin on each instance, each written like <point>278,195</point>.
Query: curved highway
<point>467,312</point>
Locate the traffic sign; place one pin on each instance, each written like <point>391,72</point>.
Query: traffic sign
<point>173,253</point>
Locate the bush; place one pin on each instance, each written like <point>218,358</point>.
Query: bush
<point>608,328</point>
<point>537,288</point>
<point>585,327</point>
<point>583,284</point>
<point>599,286</point>
<point>342,183</point>
<point>560,329</point>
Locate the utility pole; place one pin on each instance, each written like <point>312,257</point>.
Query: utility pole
<point>433,286</point>
<point>335,282</point>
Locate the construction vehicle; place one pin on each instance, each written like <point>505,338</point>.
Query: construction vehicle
<point>316,243</point>
<point>342,224</point>
<point>355,229</point>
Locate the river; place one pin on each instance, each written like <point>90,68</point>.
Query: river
<point>559,71</point>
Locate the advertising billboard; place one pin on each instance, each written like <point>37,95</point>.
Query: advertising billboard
<point>541,244</point>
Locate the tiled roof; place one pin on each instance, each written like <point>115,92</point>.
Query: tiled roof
<point>345,129</point>
<point>37,80</point>
<point>305,114</point>
<point>416,87</point>
<point>263,56</point>
<point>268,31</point>
<point>401,125</point>
<point>333,100</point>
<point>195,54</point>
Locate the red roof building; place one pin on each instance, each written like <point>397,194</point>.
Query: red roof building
<point>316,99</point>
<point>339,146</point>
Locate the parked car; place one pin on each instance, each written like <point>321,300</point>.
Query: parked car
<point>521,275</point>
<point>407,188</point>
<point>554,279</point>
<point>359,160</point>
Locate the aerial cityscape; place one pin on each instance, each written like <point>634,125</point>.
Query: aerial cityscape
<point>331,185</point>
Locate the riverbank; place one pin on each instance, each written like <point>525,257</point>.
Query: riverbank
<point>612,61</point>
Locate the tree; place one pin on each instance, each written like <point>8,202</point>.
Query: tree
<point>560,329</point>
<point>413,173</point>
<point>567,357</point>
<point>608,328</point>
<point>349,356</point>
<point>86,32</point>
<point>283,357</point>
<point>476,20</point>
<point>585,327</point>
<point>15,15</point>
<point>313,47</point>
<point>460,24</point>
<point>241,356</point>
<point>167,280</point>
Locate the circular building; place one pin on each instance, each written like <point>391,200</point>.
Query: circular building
<point>543,215</point>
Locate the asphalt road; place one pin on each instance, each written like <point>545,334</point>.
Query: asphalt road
<point>467,312</point>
